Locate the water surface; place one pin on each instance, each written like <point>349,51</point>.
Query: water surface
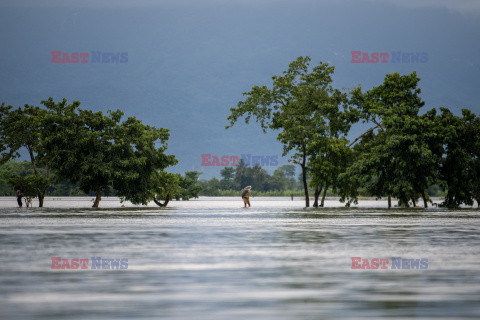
<point>212,259</point>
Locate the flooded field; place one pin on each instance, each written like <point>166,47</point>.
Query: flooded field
<point>212,259</point>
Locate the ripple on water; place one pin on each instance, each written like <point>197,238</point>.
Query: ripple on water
<point>211,258</point>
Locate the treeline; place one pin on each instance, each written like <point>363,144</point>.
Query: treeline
<point>282,183</point>
<point>17,173</point>
<point>403,153</point>
<point>400,155</point>
<point>24,169</point>
<point>234,179</point>
<point>96,153</point>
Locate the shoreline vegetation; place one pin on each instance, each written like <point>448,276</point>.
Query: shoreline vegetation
<point>259,202</point>
<point>406,154</point>
<point>282,182</point>
<point>208,188</point>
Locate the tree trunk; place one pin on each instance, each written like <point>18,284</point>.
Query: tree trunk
<point>414,203</point>
<point>41,197</point>
<point>305,186</point>
<point>34,165</point>
<point>323,197</point>
<point>318,191</point>
<point>389,201</point>
<point>363,134</point>
<point>158,203</point>
<point>97,198</point>
<point>478,200</point>
<point>403,202</point>
<point>304,174</point>
<point>424,197</point>
<point>32,159</point>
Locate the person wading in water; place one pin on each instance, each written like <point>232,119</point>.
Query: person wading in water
<point>19,197</point>
<point>246,195</point>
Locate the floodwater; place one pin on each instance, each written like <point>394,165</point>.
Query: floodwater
<point>212,259</point>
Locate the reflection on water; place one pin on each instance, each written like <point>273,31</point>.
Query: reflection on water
<point>213,259</point>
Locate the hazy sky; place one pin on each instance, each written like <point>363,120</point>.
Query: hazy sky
<point>468,6</point>
<point>190,60</point>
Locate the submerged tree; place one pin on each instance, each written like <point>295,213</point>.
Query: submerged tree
<point>188,186</point>
<point>295,106</point>
<point>460,165</point>
<point>164,187</point>
<point>331,159</point>
<point>399,153</point>
<point>142,150</point>
<point>20,128</point>
<point>31,185</point>
<point>100,152</point>
<point>328,152</point>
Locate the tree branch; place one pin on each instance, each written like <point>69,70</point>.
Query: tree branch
<point>379,125</point>
<point>363,134</point>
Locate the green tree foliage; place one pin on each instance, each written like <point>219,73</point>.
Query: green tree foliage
<point>398,155</point>
<point>23,169</point>
<point>164,187</point>
<point>460,164</point>
<point>20,128</point>
<point>188,186</point>
<point>20,169</point>
<point>228,175</point>
<point>31,185</point>
<point>211,187</point>
<point>278,181</point>
<point>330,159</point>
<point>289,171</point>
<point>243,175</point>
<point>100,152</point>
<point>328,152</point>
<point>257,177</point>
<point>260,178</point>
<point>296,106</point>
<point>253,176</point>
<point>15,175</point>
